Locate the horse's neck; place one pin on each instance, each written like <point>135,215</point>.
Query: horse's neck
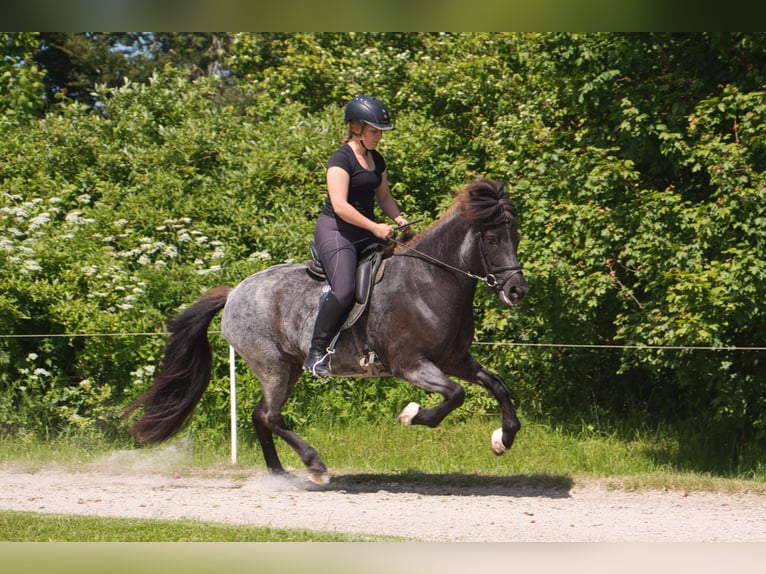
<point>452,243</point>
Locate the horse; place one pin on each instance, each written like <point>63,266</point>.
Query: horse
<point>418,325</point>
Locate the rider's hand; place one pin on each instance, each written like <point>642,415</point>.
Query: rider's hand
<point>382,230</point>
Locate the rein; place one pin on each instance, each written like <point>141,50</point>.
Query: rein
<point>490,278</point>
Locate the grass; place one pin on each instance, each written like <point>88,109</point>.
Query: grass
<point>35,527</point>
<point>620,454</point>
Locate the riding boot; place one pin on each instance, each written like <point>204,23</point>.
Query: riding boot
<point>329,320</point>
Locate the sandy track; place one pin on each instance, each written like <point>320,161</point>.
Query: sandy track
<point>459,508</point>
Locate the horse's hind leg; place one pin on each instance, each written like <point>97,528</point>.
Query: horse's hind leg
<point>266,439</point>
<point>267,420</point>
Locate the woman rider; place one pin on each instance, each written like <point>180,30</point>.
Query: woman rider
<point>356,178</point>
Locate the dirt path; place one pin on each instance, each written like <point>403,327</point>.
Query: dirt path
<point>459,508</point>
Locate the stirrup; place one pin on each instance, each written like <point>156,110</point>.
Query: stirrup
<point>321,361</point>
<point>329,351</point>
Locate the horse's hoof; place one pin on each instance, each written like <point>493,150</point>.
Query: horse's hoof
<point>319,478</point>
<point>408,413</point>
<point>497,442</point>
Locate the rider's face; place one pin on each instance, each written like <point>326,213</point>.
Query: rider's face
<point>370,136</point>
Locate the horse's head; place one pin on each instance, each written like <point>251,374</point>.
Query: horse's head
<point>495,219</point>
<point>502,271</point>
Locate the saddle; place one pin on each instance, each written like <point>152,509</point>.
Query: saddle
<point>369,271</point>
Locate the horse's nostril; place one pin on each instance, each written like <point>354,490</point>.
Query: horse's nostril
<point>517,292</point>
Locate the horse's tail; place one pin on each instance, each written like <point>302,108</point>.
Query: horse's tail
<point>184,373</point>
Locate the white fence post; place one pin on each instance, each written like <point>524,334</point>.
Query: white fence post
<point>233,395</point>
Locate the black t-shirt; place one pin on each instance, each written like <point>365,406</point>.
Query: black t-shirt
<point>363,182</point>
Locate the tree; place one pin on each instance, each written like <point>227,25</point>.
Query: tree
<point>76,62</point>
<point>21,87</point>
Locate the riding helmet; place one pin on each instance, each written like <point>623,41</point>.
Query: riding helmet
<point>368,110</point>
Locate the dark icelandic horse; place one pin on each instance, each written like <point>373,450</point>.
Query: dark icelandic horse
<point>419,324</point>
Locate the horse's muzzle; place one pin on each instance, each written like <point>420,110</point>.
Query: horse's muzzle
<point>513,291</point>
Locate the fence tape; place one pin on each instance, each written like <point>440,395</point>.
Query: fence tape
<point>637,347</point>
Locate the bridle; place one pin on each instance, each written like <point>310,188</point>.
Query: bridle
<point>490,272</point>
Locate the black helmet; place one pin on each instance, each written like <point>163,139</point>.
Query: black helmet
<point>368,110</point>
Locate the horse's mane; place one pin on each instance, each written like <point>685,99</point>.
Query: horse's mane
<point>483,202</point>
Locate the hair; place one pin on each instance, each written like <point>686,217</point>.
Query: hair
<point>350,133</point>
<point>485,201</point>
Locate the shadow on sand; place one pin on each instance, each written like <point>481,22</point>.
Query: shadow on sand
<point>454,484</point>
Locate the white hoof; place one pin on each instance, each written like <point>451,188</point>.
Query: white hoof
<point>319,478</point>
<point>407,414</point>
<point>497,442</point>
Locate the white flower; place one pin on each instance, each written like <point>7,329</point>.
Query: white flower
<point>39,220</point>
<point>212,269</point>
<point>259,255</point>
<point>32,265</point>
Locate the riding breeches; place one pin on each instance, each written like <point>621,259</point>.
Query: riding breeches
<point>339,245</point>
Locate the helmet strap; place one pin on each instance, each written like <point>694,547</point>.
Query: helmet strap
<point>358,136</point>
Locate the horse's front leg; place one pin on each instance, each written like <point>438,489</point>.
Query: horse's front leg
<point>502,439</point>
<point>429,377</point>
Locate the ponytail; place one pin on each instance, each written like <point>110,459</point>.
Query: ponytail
<point>351,134</point>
